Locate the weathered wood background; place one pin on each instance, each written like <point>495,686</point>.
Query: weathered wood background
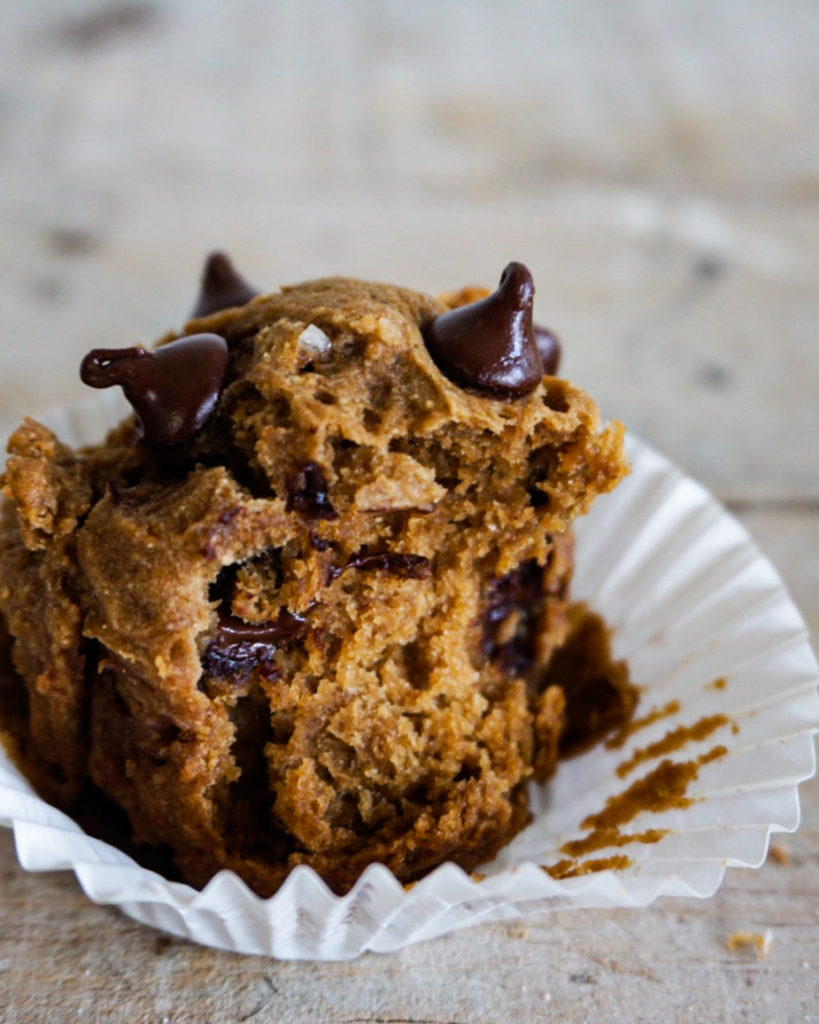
<point>657,166</point>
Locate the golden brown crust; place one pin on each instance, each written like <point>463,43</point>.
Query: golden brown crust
<point>427,553</point>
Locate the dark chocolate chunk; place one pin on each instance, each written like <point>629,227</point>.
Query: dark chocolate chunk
<point>518,593</point>
<point>550,349</point>
<point>239,646</point>
<point>173,390</point>
<point>285,628</point>
<point>221,287</point>
<point>490,344</point>
<point>412,566</point>
<point>308,493</point>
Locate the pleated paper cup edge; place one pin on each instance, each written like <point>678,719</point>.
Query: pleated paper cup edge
<point>137,890</point>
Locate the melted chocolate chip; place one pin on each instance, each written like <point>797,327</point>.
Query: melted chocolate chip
<point>221,287</point>
<point>308,493</point>
<point>173,390</point>
<point>285,628</point>
<point>550,349</point>
<point>412,566</point>
<point>490,344</point>
<point>240,646</point>
<point>519,592</point>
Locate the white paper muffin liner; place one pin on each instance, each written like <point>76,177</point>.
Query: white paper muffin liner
<point>690,600</point>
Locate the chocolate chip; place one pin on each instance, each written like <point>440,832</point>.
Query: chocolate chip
<point>548,345</point>
<point>221,287</point>
<point>411,566</point>
<point>490,344</point>
<point>174,390</point>
<point>285,628</point>
<point>308,493</point>
<point>519,593</point>
<point>239,647</point>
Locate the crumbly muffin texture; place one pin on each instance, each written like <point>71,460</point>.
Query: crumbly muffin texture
<point>317,632</point>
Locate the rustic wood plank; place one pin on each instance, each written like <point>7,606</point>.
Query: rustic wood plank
<point>656,164</point>
<point>665,962</point>
<point>719,368</point>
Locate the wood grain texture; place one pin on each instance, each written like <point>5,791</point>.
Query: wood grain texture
<point>656,165</point>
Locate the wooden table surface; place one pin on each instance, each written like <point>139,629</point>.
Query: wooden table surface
<point>655,164</point>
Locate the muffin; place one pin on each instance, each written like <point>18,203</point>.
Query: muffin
<point>302,607</point>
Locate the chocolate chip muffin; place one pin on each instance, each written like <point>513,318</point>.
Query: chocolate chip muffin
<point>300,608</point>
